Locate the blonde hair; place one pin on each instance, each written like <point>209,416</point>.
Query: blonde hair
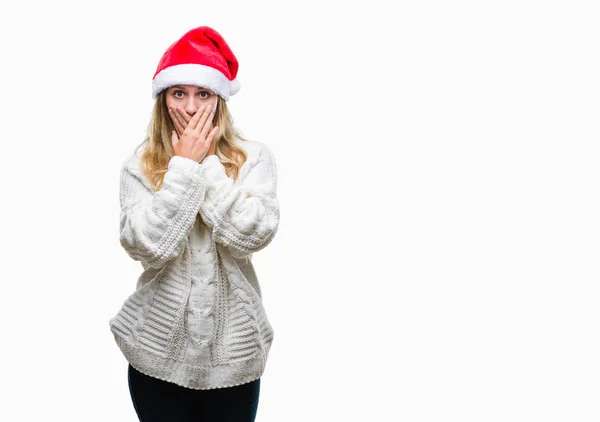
<point>159,149</point>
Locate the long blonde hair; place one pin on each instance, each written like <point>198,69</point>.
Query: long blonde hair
<point>159,150</point>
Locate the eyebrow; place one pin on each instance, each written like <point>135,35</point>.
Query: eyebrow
<point>200,88</point>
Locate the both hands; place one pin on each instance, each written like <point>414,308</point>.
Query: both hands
<point>193,137</point>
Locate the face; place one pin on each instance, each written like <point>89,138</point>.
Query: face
<point>190,97</point>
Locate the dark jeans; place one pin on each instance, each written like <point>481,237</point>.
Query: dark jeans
<point>156,400</point>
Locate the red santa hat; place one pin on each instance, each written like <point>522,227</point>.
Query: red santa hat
<point>200,57</point>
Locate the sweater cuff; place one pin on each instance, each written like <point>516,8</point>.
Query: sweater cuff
<point>215,170</point>
<point>182,163</point>
<point>210,159</point>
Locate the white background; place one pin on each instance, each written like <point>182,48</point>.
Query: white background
<point>437,257</point>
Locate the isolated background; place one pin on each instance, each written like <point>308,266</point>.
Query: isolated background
<point>437,258</point>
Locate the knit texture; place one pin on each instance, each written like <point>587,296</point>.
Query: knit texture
<point>196,318</point>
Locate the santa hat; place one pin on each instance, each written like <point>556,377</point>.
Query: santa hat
<point>200,57</point>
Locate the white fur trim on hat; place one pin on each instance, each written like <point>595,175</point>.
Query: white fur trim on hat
<point>195,74</point>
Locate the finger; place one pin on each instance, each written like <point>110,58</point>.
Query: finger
<point>177,121</point>
<point>183,116</point>
<point>207,123</point>
<point>205,112</point>
<point>174,138</point>
<point>212,138</point>
<point>194,120</point>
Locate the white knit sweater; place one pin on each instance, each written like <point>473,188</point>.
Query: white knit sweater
<point>196,318</point>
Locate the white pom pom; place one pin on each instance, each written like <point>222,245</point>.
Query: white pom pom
<point>234,87</point>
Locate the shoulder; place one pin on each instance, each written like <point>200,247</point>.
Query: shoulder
<point>260,162</point>
<point>131,166</point>
<point>257,150</point>
<point>132,163</point>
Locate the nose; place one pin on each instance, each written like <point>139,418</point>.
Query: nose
<point>192,105</point>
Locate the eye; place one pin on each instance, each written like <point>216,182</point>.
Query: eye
<point>176,92</point>
<point>204,92</point>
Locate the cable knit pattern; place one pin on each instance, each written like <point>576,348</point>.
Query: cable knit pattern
<point>245,217</point>
<point>196,317</point>
<point>153,227</point>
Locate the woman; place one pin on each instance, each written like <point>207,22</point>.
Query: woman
<point>196,202</point>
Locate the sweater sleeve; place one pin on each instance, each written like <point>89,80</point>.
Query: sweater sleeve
<point>243,215</point>
<point>155,225</point>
